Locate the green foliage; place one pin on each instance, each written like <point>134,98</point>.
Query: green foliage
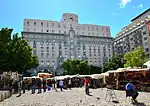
<point>15,53</point>
<point>135,58</point>
<point>74,66</point>
<point>95,69</point>
<point>117,61</point>
<point>84,67</point>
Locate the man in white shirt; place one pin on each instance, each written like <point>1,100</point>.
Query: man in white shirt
<point>69,83</point>
<point>61,84</point>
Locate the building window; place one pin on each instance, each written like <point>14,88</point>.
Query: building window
<point>28,23</point>
<point>42,62</point>
<point>64,32</point>
<point>52,48</point>
<point>58,25</point>
<point>59,31</point>
<point>145,38</point>
<point>47,31</point>
<point>106,29</point>
<point>88,27</point>
<point>147,50</point>
<point>47,55</point>
<point>93,28</point>
<point>42,54</point>
<point>47,24</point>
<point>52,30</point>
<point>42,47</point>
<point>42,24</point>
<point>42,42</point>
<point>97,29</point>
<point>144,32</point>
<point>52,54</point>
<point>65,26</point>
<point>90,55</point>
<point>47,43</point>
<point>47,49</point>
<point>34,23</point>
<point>52,24</point>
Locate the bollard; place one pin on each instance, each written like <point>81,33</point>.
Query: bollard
<point>2,97</point>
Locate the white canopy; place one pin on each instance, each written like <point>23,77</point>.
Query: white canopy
<point>147,64</point>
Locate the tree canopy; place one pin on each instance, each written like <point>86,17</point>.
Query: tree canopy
<point>16,53</point>
<point>74,66</point>
<point>135,58</point>
<point>117,61</point>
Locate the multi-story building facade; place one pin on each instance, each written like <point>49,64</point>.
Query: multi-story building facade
<point>135,34</point>
<point>55,42</point>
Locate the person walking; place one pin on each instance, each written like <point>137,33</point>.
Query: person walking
<point>39,85</point>
<point>69,83</point>
<point>19,87</point>
<point>61,84</point>
<point>44,84</point>
<point>33,86</point>
<point>86,86</point>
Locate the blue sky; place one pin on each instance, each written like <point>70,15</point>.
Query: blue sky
<point>114,13</point>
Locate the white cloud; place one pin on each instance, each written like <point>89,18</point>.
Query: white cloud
<point>123,3</point>
<point>140,6</point>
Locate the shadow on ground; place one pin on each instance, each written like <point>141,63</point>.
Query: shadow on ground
<point>136,103</point>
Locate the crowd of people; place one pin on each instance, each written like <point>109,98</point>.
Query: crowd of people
<point>42,83</point>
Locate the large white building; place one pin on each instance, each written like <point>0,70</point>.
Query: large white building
<point>135,34</point>
<point>55,42</point>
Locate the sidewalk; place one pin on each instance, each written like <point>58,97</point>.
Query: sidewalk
<point>4,95</point>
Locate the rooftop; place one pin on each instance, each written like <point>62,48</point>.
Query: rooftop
<point>140,15</point>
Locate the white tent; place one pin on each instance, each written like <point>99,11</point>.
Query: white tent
<point>147,64</point>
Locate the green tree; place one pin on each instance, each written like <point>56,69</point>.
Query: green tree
<point>84,67</point>
<point>95,69</point>
<point>117,61</point>
<point>135,58</point>
<point>71,66</point>
<point>16,53</point>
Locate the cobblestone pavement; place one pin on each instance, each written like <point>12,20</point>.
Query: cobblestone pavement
<point>75,97</point>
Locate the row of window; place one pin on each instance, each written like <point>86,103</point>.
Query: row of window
<point>47,63</point>
<point>58,25</point>
<point>64,32</point>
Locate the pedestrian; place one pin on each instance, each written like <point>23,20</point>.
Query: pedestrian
<point>69,83</point>
<point>28,84</point>
<point>23,86</point>
<point>10,86</point>
<point>39,83</point>
<point>86,82</point>
<point>131,91</point>
<point>19,87</point>
<point>44,84</point>
<point>61,84</point>
<point>33,85</point>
